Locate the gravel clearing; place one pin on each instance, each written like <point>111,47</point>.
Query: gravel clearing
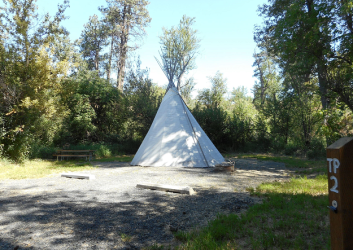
<point>109,212</point>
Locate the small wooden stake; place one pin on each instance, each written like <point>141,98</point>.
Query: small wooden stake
<point>340,185</point>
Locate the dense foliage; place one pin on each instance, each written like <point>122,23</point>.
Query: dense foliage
<point>54,91</point>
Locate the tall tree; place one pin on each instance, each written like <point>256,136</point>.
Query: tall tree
<point>129,19</point>
<point>110,20</point>
<point>179,47</point>
<point>315,37</point>
<point>92,42</point>
<point>266,72</point>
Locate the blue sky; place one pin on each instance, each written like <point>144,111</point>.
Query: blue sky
<point>225,28</point>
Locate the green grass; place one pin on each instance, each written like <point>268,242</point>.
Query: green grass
<point>303,166</point>
<point>38,168</point>
<point>293,215</point>
<point>32,169</point>
<point>118,158</point>
<point>126,237</point>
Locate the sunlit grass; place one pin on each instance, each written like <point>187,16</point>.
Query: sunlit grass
<point>303,166</point>
<point>32,169</point>
<point>299,185</point>
<point>117,158</point>
<point>293,215</point>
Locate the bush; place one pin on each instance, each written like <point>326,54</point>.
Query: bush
<point>103,151</point>
<point>42,152</point>
<point>213,121</point>
<point>277,145</point>
<point>18,148</point>
<point>130,146</point>
<point>316,149</point>
<point>291,149</point>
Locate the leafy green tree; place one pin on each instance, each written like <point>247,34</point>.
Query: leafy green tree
<point>204,97</point>
<point>298,32</point>
<point>268,84</point>
<point>242,105</point>
<point>105,101</point>
<point>213,120</point>
<point>238,133</point>
<point>143,99</point>
<point>186,90</point>
<point>31,71</point>
<point>315,38</point>
<point>278,113</point>
<point>214,97</point>
<point>179,47</point>
<point>79,122</point>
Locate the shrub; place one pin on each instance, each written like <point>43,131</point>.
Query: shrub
<point>277,145</point>
<point>41,151</point>
<point>103,151</point>
<point>291,149</point>
<point>316,149</point>
<point>18,148</point>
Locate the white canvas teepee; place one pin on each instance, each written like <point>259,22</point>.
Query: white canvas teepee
<point>175,138</point>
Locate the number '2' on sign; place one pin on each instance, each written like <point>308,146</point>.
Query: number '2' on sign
<point>335,164</point>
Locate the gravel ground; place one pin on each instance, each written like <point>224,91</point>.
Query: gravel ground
<point>111,213</point>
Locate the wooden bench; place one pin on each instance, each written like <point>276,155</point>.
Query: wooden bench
<point>88,154</point>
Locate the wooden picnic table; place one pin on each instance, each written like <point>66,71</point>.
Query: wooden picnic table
<point>88,154</point>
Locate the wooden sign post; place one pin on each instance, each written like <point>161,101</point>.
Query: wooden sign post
<point>340,187</point>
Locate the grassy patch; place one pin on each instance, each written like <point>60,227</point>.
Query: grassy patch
<point>118,158</point>
<point>125,237</point>
<point>299,185</point>
<point>32,169</point>
<point>293,216</point>
<point>304,166</point>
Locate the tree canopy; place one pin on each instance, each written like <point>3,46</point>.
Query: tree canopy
<point>54,91</point>
<point>179,47</point>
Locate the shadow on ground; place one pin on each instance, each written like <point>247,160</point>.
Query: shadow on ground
<point>49,222</point>
<point>76,219</point>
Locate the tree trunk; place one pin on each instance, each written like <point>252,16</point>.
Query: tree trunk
<point>96,59</point>
<point>262,80</point>
<point>179,82</point>
<point>124,35</point>
<point>348,17</point>
<point>110,56</point>
<point>322,73</point>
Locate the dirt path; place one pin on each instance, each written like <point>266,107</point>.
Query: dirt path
<point>111,213</point>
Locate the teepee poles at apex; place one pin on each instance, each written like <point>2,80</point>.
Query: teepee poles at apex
<point>168,70</point>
